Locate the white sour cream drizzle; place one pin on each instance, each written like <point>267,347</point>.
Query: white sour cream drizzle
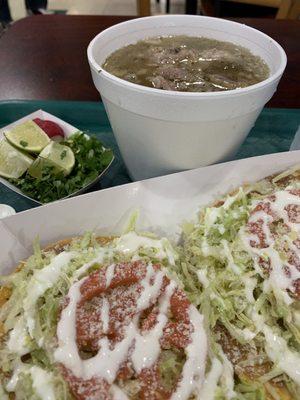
<point>147,346</point>
<point>110,274</point>
<point>41,281</point>
<point>281,355</point>
<point>41,381</point>
<point>105,315</point>
<point>131,242</point>
<point>12,383</point>
<point>211,380</point>
<point>202,278</point>
<point>278,280</point>
<point>213,213</point>
<point>194,367</point>
<point>106,362</point>
<point>227,377</point>
<point>18,338</point>
<point>102,253</point>
<point>278,350</point>
<point>117,393</point>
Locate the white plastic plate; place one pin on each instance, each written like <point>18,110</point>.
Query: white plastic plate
<point>68,130</point>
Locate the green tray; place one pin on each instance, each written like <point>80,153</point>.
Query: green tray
<point>273,132</point>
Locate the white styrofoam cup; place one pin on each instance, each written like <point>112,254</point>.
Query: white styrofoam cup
<point>162,131</point>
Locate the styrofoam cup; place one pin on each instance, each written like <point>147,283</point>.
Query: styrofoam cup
<point>162,131</point>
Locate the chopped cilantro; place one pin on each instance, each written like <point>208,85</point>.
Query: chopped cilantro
<point>52,186</point>
<point>23,143</point>
<point>63,154</point>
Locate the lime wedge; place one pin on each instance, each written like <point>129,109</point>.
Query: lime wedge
<point>13,163</point>
<point>28,136</point>
<point>59,157</point>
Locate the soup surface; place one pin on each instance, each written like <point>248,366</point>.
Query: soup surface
<point>187,64</point>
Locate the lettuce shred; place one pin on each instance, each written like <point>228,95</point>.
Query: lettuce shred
<point>219,277</point>
<point>213,267</point>
<point>40,345</point>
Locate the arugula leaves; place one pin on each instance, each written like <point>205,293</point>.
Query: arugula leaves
<point>91,158</point>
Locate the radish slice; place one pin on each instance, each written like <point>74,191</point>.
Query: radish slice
<point>49,127</point>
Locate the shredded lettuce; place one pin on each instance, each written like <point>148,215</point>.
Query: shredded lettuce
<point>39,344</point>
<point>220,278</point>
<point>170,366</point>
<point>132,222</point>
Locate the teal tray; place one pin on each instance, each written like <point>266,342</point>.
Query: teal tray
<point>273,132</point>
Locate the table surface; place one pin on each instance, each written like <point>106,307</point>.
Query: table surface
<point>44,57</point>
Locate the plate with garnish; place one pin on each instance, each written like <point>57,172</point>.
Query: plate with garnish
<point>45,159</point>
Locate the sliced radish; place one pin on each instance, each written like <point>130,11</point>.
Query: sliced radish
<point>51,128</point>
